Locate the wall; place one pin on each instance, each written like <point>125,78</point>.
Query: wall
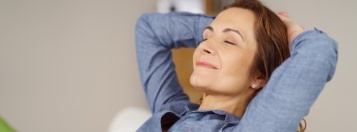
<point>69,65</point>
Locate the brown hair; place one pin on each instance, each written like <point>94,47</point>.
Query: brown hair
<point>272,40</point>
<point>271,36</point>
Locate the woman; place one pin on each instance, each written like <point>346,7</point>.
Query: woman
<point>234,61</point>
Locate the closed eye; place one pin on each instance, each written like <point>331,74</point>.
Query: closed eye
<point>229,42</point>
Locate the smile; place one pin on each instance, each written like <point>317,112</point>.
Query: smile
<point>205,65</point>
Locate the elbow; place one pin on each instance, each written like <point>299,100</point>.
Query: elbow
<point>334,56</point>
<point>328,45</point>
<point>316,43</point>
<point>320,49</point>
<point>329,53</point>
<point>142,23</point>
<point>143,30</point>
<point>329,49</point>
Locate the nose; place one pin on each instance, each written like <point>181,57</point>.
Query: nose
<point>207,47</point>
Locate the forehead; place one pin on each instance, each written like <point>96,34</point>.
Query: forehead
<point>235,18</point>
<point>235,14</point>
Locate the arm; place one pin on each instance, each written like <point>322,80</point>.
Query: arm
<point>294,86</point>
<point>155,35</point>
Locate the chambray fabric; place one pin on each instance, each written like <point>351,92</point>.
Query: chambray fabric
<point>279,107</point>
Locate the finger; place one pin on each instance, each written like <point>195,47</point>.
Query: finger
<point>283,18</point>
<point>283,14</point>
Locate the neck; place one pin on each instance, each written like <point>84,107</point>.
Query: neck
<point>235,105</point>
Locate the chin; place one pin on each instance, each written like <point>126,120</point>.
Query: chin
<point>199,82</point>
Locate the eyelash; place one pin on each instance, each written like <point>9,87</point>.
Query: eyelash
<point>228,42</point>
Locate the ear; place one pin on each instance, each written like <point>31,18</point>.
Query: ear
<point>259,82</point>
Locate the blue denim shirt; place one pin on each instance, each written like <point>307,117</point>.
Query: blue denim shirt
<point>279,107</point>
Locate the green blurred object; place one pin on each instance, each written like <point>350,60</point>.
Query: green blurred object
<point>4,127</point>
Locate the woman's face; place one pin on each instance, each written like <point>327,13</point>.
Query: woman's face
<point>223,60</point>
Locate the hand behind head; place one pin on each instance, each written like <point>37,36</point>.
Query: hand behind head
<point>294,29</point>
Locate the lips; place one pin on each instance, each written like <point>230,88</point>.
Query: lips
<point>205,65</point>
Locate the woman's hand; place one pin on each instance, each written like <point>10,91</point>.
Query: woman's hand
<point>294,29</point>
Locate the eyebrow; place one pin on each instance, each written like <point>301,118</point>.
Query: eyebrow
<point>226,30</point>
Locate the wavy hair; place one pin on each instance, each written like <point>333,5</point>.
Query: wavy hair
<point>272,41</point>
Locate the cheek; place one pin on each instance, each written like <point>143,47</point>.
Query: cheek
<point>195,56</point>
<point>236,63</point>
<point>236,68</point>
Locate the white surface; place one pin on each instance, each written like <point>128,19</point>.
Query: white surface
<point>193,6</point>
<point>129,119</point>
